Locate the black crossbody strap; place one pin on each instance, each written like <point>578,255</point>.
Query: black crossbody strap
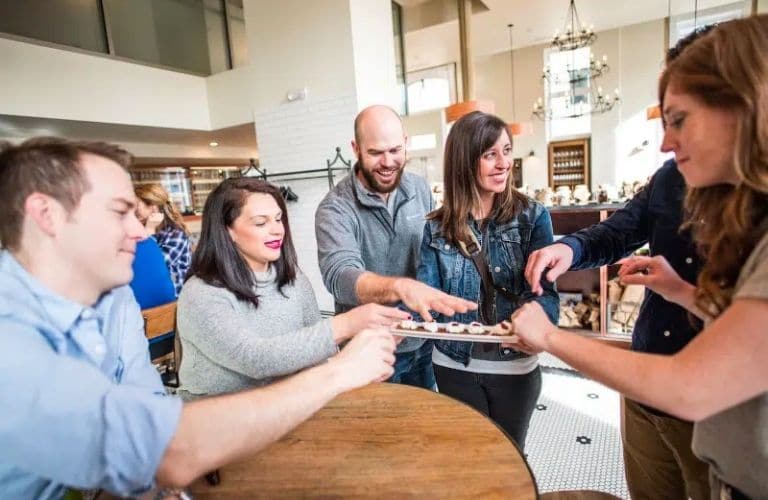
<point>475,253</point>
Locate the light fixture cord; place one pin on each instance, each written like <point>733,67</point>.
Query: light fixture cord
<point>695,14</point>
<point>512,68</point>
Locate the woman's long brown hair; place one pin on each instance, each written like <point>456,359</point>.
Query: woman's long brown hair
<point>727,69</point>
<point>154,194</point>
<point>471,136</point>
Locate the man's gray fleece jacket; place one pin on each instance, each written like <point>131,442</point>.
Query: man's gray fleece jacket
<point>356,233</point>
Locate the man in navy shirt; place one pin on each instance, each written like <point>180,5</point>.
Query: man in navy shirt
<point>658,459</point>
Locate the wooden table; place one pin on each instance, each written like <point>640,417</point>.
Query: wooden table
<point>383,441</point>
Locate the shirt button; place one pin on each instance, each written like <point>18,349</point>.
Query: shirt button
<point>87,314</point>
<point>688,260</point>
<point>667,333</point>
<point>447,246</point>
<point>497,269</point>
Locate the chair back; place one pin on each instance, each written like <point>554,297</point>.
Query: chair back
<point>164,346</point>
<point>159,320</point>
<point>578,495</point>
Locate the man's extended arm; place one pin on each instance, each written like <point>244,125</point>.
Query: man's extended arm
<point>623,232</point>
<point>604,243</point>
<point>216,431</point>
<point>344,274</point>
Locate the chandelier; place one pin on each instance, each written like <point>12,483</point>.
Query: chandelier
<point>598,103</point>
<point>575,35</point>
<point>595,69</point>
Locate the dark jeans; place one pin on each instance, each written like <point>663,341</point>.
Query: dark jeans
<point>509,400</point>
<point>415,368</point>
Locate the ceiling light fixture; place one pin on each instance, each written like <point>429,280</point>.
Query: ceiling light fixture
<point>598,103</point>
<point>575,35</point>
<point>596,69</point>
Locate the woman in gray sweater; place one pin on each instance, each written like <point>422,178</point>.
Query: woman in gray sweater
<point>247,314</point>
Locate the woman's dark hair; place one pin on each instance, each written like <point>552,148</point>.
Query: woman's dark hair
<point>216,259</point>
<point>471,136</point>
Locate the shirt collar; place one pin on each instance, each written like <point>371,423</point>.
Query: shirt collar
<point>61,312</point>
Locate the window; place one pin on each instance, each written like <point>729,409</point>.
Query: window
<point>75,23</point>
<point>200,36</point>
<point>397,28</point>
<point>431,88</point>
<point>238,42</point>
<point>568,92</point>
<point>682,24</point>
<point>422,141</point>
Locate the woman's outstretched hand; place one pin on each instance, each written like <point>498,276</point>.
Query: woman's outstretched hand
<point>350,323</point>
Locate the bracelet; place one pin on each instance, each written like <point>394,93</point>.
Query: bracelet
<point>178,493</point>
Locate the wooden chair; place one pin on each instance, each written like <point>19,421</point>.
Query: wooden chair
<point>578,495</point>
<point>159,323</point>
<point>160,330</point>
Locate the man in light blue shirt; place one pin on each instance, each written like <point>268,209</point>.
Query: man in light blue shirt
<point>80,404</point>
<point>89,367</point>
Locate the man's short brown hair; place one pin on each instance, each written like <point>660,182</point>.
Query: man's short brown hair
<point>47,165</point>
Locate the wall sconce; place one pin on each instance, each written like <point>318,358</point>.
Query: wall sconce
<point>531,162</point>
<point>296,95</point>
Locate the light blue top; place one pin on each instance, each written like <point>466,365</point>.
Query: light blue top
<point>80,404</point>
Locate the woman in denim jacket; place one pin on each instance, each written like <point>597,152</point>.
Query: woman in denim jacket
<point>480,198</point>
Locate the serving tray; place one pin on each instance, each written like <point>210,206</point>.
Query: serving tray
<point>492,334</point>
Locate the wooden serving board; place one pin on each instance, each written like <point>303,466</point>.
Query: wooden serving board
<point>463,336</point>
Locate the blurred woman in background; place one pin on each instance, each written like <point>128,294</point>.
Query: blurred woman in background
<point>164,222</point>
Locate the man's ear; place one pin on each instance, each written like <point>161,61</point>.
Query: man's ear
<point>355,148</point>
<point>46,213</point>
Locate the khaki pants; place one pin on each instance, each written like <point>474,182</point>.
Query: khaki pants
<point>658,459</point>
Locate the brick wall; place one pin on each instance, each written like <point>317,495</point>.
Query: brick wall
<point>300,136</point>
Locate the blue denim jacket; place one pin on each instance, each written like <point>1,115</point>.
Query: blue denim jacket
<point>442,266</point>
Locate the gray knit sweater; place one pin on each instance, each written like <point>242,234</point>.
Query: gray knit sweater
<point>229,345</point>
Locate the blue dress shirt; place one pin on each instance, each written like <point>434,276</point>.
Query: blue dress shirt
<point>80,404</point>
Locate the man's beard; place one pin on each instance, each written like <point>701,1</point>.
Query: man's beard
<point>370,177</point>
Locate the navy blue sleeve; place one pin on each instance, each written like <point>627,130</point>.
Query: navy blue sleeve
<point>541,237</point>
<point>616,237</point>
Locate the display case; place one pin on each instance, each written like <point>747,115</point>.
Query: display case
<point>591,291</point>
<point>569,163</point>
<point>188,187</point>
<point>205,179</point>
<point>175,180</point>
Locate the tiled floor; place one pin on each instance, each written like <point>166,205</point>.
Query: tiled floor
<point>574,440</point>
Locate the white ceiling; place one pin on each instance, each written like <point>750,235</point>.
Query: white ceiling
<point>535,23</point>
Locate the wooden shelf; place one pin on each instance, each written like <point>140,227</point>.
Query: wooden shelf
<point>569,158</point>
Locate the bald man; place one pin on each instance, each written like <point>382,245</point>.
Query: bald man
<point>369,230</point>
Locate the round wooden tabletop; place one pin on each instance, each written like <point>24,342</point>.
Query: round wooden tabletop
<point>383,441</point>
